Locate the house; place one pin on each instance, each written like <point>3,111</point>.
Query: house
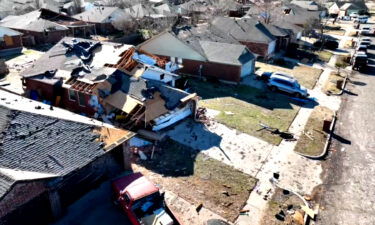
<point>333,8</point>
<point>286,12</point>
<point>10,41</point>
<point>294,30</point>
<point>200,51</point>
<point>283,36</point>
<point>104,18</point>
<point>45,26</point>
<point>352,7</point>
<point>309,5</point>
<point>51,157</point>
<point>109,81</point>
<point>249,32</point>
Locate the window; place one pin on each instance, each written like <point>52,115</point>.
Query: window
<point>72,95</point>
<point>179,60</point>
<point>81,98</point>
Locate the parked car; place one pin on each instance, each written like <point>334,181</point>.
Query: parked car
<point>287,84</point>
<point>361,48</point>
<point>353,15</point>
<point>364,43</point>
<point>345,18</point>
<point>267,75</point>
<point>361,19</point>
<point>328,44</point>
<point>359,62</point>
<point>142,202</point>
<point>365,30</point>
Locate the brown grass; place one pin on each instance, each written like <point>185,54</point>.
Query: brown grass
<point>199,179</point>
<point>331,84</point>
<point>313,139</point>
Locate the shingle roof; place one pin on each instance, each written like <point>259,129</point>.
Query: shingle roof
<point>213,44</point>
<point>97,14</point>
<point>246,29</point>
<point>31,21</point>
<point>310,5</point>
<point>276,30</point>
<point>9,32</point>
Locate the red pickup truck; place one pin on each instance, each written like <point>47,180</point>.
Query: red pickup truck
<point>142,201</point>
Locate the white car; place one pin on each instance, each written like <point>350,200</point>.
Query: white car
<point>280,82</point>
<point>365,30</point>
<point>353,15</point>
<point>361,19</point>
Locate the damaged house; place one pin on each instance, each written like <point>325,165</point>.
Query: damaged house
<point>111,82</point>
<point>51,157</point>
<point>45,26</point>
<point>200,51</point>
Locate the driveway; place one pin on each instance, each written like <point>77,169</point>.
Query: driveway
<point>349,181</point>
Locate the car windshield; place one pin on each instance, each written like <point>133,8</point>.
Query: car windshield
<point>296,84</point>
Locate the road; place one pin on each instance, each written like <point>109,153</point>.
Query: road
<point>348,195</point>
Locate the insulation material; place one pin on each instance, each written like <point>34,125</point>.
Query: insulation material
<point>122,101</point>
<point>174,117</point>
<point>155,107</point>
<point>108,55</point>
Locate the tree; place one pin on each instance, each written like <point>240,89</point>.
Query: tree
<point>267,11</point>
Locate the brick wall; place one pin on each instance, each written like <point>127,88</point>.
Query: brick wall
<point>51,37</point>
<point>257,48</point>
<point>19,194</point>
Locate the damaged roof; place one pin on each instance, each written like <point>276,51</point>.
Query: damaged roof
<point>39,146</point>
<point>100,14</point>
<point>31,21</point>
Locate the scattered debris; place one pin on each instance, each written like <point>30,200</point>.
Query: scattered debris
<point>142,155</point>
<point>199,207</point>
<point>298,218</point>
<point>280,216</point>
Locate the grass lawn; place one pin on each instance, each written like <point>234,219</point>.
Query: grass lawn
<point>313,139</point>
<point>330,86</point>
<point>249,107</point>
<point>307,76</point>
<point>199,179</point>
<point>324,56</point>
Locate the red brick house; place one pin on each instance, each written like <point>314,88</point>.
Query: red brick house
<point>201,52</point>
<point>60,156</point>
<point>10,41</point>
<point>249,32</point>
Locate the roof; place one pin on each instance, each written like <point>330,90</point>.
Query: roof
<point>246,29</point>
<point>31,21</point>
<point>59,57</point>
<point>98,14</point>
<point>309,5</point>
<point>37,144</point>
<point>354,5</point>
<point>135,185</point>
<point>4,31</point>
<point>213,44</point>
<point>277,31</point>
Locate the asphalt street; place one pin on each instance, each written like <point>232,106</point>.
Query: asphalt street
<point>348,196</point>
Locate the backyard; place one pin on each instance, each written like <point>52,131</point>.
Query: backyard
<point>198,179</point>
<point>244,108</point>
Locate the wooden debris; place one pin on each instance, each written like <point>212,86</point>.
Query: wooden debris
<point>298,218</point>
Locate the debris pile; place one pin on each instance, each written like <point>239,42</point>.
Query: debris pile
<point>201,116</point>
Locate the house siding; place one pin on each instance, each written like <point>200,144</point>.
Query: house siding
<point>49,93</point>
<point>260,49</point>
<point>16,43</point>
<point>213,70</point>
<point>50,37</point>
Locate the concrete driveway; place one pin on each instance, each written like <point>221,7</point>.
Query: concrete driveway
<point>349,181</point>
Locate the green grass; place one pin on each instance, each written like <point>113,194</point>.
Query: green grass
<point>313,140</point>
<point>200,179</point>
<point>324,55</point>
<point>249,107</point>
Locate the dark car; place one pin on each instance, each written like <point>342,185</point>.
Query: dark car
<point>329,44</point>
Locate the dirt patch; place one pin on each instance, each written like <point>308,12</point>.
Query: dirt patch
<point>313,139</point>
<point>306,75</point>
<point>199,179</point>
<point>284,208</point>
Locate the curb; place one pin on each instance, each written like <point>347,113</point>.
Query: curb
<point>328,141</point>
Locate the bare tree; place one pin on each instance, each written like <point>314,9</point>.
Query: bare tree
<point>267,11</point>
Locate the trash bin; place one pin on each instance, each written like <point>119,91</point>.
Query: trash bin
<point>327,125</point>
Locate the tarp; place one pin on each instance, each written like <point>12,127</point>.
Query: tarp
<point>144,59</point>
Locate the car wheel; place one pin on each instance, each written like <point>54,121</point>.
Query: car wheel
<point>297,95</point>
<point>273,88</point>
